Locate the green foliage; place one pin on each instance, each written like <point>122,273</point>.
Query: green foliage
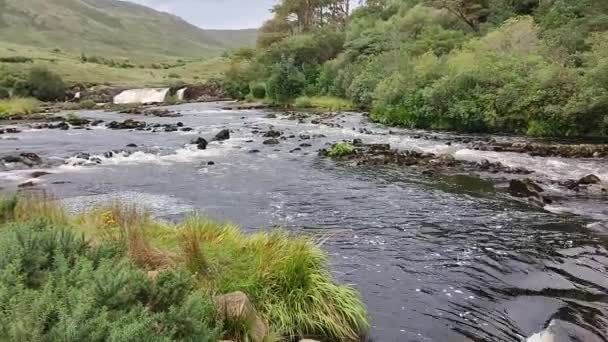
<point>42,84</point>
<point>55,287</point>
<point>18,106</point>
<point>4,93</point>
<point>258,91</point>
<point>323,102</point>
<point>15,59</point>
<point>285,83</point>
<point>340,150</point>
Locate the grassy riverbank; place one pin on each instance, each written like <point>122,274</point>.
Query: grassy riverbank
<point>18,106</point>
<point>114,271</point>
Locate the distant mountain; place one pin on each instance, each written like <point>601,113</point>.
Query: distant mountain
<point>111,28</point>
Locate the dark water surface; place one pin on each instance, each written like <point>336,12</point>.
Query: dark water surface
<point>445,259</point>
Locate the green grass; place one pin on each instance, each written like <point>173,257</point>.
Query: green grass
<point>18,106</point>
<point>340,150</point>
<point>73,71</point>
<point>329,103</point>
<point>287,277</point>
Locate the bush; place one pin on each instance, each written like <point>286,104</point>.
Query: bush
<point>323,102</point>
<point>43,85</point>
<point>18,106</point>
<point>258,91</point>
<point>285,83</point>
<point>4,93</point>
<point>16,59</point>
<point>54,286</point>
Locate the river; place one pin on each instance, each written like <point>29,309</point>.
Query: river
<point>436,259</point>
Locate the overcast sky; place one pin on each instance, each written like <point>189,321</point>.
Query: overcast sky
<point>216,14</point>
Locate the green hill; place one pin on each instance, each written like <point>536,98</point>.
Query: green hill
<point>111,28</point>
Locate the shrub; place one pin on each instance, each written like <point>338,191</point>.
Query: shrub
<point>329,103</point>
<point>54,286</point>
<point>258,91</point>
<point>45,85</point>
<point>15,106</point>
<point>16,59</point>
<point>4,93</point>
<point>286,82</point>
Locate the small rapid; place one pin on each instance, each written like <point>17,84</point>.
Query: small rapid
<point>437,259</point>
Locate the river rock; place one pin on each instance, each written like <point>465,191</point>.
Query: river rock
<point>272,141</point>
<point>223,135</point>
<point>132,145</point>
<point>127,124</point>
<point>83,155</point>
<point>38,174</point>
<point>237,307</point>
<point>589,179</point>
<point>76,121</point>
<point>26,185</point>
<point>201,143</point>
<point>524,188</point>
<point>272,134</point>
<point>254,151</point>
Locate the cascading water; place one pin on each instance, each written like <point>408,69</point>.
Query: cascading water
<point>144,95</point>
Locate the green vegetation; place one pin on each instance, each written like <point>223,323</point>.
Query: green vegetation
<point>330,103</point>
<point>74,72</point>
<point>529,67</point>
<point>115,274</point>
<point>116,30</point>
<point>18,106</point>
<point>340,150</point>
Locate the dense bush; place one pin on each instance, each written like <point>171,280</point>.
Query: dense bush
<point>529,67</point>
<point>286,82</point>
<point>41,84</point>
<point>4,93</point>
<point>258,91</point>
<point>55,287</point>
<point>16,59</point>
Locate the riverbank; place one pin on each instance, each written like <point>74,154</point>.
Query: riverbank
<point>181,268</point>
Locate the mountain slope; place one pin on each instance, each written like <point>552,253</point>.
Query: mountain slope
<point>110,28</point>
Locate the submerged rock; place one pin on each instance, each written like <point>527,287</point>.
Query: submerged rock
<point>524,188</point>
<point>272,141</point>
<point>589,179</point>
<point>272,134</point>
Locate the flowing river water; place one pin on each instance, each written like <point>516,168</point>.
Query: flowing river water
<point>436,259</point>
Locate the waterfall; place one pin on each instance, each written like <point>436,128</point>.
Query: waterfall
<point>180,94</point>
<point>145,95</point>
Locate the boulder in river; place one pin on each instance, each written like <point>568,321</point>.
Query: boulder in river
<point>524,188</point>
<point>223,135</point>
<point>271,141</point>
<point>589,179</point>
<point>201,143</point>
<point>272,134</point>
<point>127,124</point>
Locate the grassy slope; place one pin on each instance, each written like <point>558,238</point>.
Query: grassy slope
<point>73,71</point>
<point>111,28</point>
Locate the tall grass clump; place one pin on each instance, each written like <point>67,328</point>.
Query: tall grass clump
<point>18,106</point>
<point>340,150</point>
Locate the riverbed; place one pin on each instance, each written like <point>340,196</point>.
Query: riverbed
<point>450,258</point>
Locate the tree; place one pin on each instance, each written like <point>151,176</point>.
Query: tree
<point>471,12</point>
<point>286,82</point>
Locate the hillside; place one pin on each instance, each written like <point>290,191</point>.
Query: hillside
<point>111,28</point>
